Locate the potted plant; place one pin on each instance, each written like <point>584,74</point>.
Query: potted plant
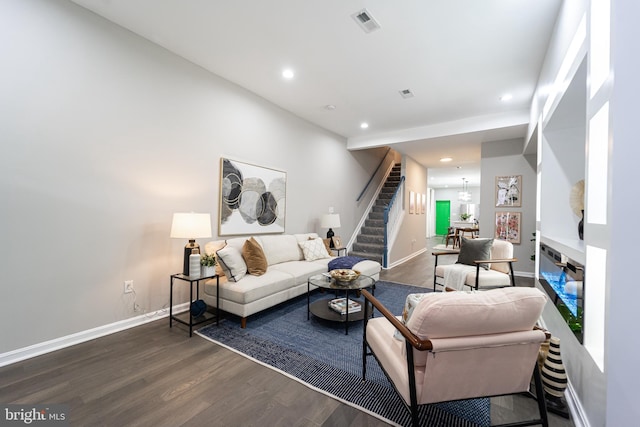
<point>465,216</point>
<point>208,263</point>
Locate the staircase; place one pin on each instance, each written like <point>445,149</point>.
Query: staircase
<point>370,242</point>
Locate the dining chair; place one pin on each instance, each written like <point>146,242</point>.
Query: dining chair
<point>452,234</point>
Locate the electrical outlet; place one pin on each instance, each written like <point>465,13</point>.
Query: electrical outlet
<point>128,286</point>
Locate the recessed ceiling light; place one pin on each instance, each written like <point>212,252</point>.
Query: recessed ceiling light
<point>506,97</point>
<point>364,125</point>
<point>446,159</point>
<point>287,73</point>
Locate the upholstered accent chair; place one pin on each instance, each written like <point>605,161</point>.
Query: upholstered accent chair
<point>459,345</point>
<point>482,264</point>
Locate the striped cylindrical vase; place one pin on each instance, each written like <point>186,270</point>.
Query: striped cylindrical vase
<point>554,377</point>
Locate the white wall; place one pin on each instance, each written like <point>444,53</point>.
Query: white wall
<point>451,194</point>
<point>622,351</point>
<point>606,394</point>
<point>504,158</point>
<point>411,239</point>
<point>104,136</point>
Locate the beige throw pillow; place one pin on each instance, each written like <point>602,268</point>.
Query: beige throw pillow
<point>327,245</point>
<point>313,249</point>
<point>254,257</point>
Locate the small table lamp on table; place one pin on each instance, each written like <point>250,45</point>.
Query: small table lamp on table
<point>330,220</point>
<point>190,226</point>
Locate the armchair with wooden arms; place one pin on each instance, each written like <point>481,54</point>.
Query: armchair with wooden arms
<point>482,264</point>
<point>459,345</point>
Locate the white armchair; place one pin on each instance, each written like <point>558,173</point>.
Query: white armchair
<point>482,264</point>
<point>486,344</point>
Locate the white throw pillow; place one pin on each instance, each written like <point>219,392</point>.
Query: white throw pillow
<point>313,249</point>
<point>232,263</point>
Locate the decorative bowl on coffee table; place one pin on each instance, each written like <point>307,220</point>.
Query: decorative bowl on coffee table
<point>344,276</point>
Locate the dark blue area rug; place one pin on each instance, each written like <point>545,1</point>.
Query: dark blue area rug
<point>318,353</point>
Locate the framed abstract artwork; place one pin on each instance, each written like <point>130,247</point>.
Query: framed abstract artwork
<point>412,202</point>
<point>508,226</point>
<point>424,203</point>
<point>252,199</point>
<point>509,191</point>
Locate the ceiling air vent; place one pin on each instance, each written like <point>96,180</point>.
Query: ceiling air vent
<point>367,22</point>
<point>406,93</point>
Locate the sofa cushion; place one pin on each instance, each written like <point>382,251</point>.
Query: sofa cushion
<point>458,314</point>
<point>253,256</point>
<point>252,288</point>
<point>475,249</point>
<point>300,270</point>
<point>281,248</point>
<point>232,263</point>
<point>487,279</point>
<point>313,249</point>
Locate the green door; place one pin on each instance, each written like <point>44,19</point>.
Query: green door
<point>443,213</point>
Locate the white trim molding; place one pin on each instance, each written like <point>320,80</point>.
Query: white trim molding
<point>67,341</point>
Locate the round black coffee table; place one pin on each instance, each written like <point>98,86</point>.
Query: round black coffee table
<point>321,307</point>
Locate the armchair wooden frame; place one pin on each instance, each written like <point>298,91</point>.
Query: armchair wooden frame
<point>413,342</point>
<point>477,263</point>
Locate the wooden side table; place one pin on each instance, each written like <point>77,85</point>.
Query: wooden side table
<point>185,317</point>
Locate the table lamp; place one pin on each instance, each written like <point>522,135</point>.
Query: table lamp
<point>190,226</point>
<point>330,220</point>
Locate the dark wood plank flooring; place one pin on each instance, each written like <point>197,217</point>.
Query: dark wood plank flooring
<point>155,376</point>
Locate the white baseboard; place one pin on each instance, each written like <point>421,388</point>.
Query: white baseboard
<point>80,337</point>
<point>578,416</point>
<point>407,258</point>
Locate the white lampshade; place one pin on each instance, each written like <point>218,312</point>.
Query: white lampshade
<point>330,221</point>
<point>191,225</point>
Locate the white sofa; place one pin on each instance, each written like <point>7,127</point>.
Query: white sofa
<point>285,278</point>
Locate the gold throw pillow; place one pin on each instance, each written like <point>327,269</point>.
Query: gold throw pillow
<point>254,257</point>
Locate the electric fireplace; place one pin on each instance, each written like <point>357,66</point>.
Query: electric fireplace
<point>563,279</point>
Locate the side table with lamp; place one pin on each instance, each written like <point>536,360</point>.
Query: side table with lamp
<point>197,312</point>
<point>191,226</point>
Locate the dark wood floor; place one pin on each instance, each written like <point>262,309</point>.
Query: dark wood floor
<point>155,376</point>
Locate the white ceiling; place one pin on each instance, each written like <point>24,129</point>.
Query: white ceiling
<point>458,57</point>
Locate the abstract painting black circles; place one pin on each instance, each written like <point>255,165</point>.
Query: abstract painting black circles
<point>252,199</point>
